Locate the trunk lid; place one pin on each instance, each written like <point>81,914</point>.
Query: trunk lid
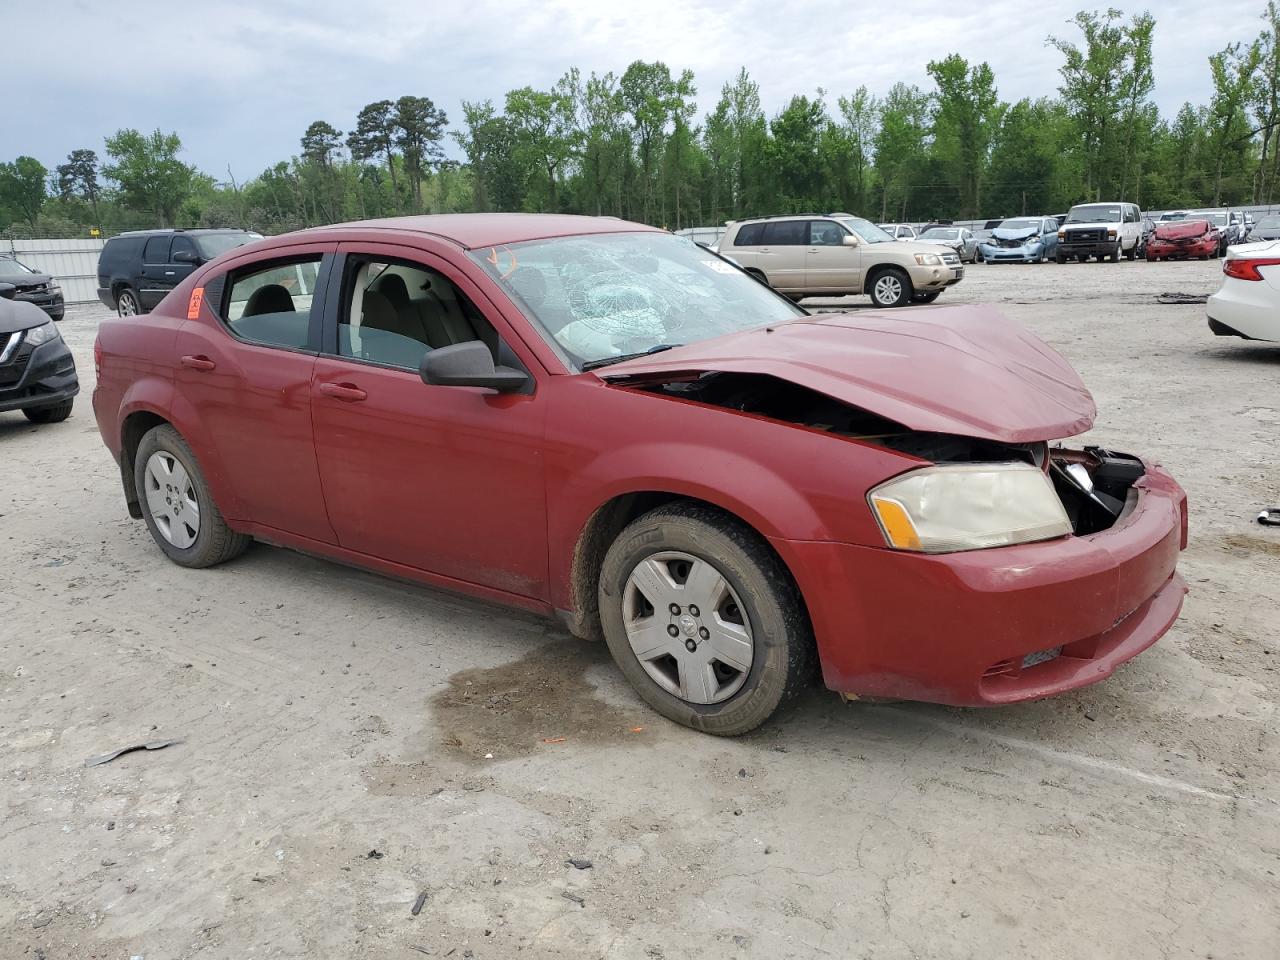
<point>963,370</point>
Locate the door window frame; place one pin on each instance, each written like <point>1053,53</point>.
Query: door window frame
<point>225,280</point>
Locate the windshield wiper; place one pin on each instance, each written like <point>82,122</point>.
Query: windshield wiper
<point>608,361</point>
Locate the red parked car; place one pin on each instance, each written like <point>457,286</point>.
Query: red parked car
<point>597,420</point>
<point>1183,239</point>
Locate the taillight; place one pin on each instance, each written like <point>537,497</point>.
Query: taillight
<point>97,357</point>
<point>1246,268</point>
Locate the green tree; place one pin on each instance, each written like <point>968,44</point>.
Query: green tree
<point>735,135</point>
<point>22,188</point>
<point>1232,71</point>
<point>78,179</point>
<point>965,116</point>
<point>546,131</point>
<point>1264,106</point>
<point>793,152</point>
<point>490,145</point>
<point>419,128</point>
<point>150,176</point>
<point>650,96</point>
<point>603,141</point>
<point>1026,171</point>
<point>375,135</point>
<point>900,146</point>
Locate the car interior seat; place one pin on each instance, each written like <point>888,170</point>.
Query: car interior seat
<point>271,298</point>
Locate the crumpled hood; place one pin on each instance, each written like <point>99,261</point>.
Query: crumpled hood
<point>963,370</point>
<point>1024,233</point>
<point>1181,229</point>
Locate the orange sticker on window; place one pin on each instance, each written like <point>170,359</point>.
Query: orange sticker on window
<point>193,305</point>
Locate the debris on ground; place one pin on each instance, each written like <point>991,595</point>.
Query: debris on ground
<point>1270,517</point>
<point>374,855</point>
<point>1176,298</point>
<point>42,920</point>
<point>575,898</point>
<point>579,864</point>
<point>418,904</point>
<point>150,745</point>
<point>553,739</point>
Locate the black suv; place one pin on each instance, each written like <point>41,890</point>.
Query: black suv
<point>137,269</point>
<point>33,286</point>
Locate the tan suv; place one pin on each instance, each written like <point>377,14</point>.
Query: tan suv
<point>838,255</point>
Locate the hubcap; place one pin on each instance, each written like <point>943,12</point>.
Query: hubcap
<point>171,499</point>
<point>127,307</point>
<point>687,627</point>
<point>888,289</point>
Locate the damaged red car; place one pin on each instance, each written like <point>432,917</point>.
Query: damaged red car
<point>599,421</point>
<point>1184,239</point>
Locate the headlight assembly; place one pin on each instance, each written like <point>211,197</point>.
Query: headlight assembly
<point>928,260</point>
<point>944,509</point>
<point>41,334</point>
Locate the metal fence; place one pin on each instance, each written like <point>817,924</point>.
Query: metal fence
<point>73,262</point>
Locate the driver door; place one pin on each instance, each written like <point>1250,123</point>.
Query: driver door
<point>830,266</point>
<point>447,480</point>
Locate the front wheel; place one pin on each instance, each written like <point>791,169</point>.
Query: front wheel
<point>703,619</point>
<point>1132,253</point>
<point>1114,256</point>
<point>179,510</point>
<point>1061,258</point>
<point>52,414</point>
<point>891,288</point>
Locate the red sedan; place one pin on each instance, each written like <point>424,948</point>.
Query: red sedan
<point>1184,239</point>
<point>597,420</point>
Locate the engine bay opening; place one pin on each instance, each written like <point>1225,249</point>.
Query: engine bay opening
<point>1095,486</point>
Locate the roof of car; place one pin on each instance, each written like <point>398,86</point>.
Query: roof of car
<point>198,232</point>
<point>472,230</point>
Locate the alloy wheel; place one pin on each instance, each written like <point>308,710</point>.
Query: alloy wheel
<point>171,499</point>
<point>888,289</point>
<point>687,627</point>
<point>127,306</point>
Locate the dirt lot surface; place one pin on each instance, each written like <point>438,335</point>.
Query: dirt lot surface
<point>350,744</point>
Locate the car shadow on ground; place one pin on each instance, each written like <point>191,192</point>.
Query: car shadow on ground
<point>1268,354</point>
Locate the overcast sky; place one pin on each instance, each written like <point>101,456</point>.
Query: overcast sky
<point>239,80</point>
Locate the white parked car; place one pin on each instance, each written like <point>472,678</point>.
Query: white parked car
<point>899,231</point>
<point>1248,305</point>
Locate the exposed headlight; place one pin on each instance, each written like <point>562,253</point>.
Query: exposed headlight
<point>944,509</point>
<point>53,286</point>
<point>41,334</point>
<point>928,260</point>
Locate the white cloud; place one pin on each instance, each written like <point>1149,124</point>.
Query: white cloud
<point>241,79</point>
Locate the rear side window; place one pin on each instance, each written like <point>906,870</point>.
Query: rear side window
<point>118,251</point>
<point>271,304</point>
<point>786,233</point>
<point>157,250</point>
<point>749,235</point>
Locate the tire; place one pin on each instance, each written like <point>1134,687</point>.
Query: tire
<point>978,257</point>
<point>756,598</point>
<point>1082,257</point>
<point>1114,256</point>
<point>927,297</point>
<point>1061,258</point>
<point>1132,253</point>
<point>891,287</point>
<point>213,541</point>
<point>127,303</point>
<point>51,414</point>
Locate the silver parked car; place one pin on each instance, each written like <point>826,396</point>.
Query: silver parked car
<point>959,239</point>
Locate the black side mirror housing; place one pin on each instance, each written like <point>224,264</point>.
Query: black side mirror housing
<point>470,364</point>
<point>7,290</point>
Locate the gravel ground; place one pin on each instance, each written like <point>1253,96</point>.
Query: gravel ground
<point>336,731</point>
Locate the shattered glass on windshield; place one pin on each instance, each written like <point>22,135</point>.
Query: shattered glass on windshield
<point>604,296</point>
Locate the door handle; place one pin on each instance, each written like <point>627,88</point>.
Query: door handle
<point>168,273</point>
<point>347,392</point>
<point>198,363</point>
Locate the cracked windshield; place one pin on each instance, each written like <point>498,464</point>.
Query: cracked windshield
<point>607,297</point>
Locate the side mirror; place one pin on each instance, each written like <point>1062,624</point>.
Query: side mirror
<point>850,240</point>
<point>185,256</point>
<point>469,364</point>
<point>7,290</point>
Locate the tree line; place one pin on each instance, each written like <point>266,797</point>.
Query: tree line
<point>631,145</point>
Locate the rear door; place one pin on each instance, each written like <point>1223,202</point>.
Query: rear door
<point>830,266</point>
<point>783,254</point>
<point>157,272</point>
<point>244,365</point>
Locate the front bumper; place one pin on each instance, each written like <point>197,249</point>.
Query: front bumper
<point>44,377</point>
<point>50,303</point>
<point>1181,251</point>
<point>996,626</point>
<point>1087,249</point>
<point>936,278</point>
<point>1022,254</point>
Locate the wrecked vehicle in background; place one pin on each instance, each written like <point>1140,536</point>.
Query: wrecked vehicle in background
<point>1183,239</point>
<point>1022,240</point>
<point>596,420</point>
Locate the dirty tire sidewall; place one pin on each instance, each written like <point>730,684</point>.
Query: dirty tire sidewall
<point>906,291</point>
<point>50,414</point>
<point>784,659</point>
<point>128,304</point>
<point>215,542</point>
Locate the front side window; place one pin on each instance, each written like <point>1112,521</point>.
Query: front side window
<point>601,297</point>
<point>825,233</point>
<point>396,311</point>
<point>272,304</point>
<point>157,250</point>
<point>181,245</point>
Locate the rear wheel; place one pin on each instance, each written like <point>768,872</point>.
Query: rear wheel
<point>127,304</point>
<point>891,287</point>
<point>52,414</point>
<point>179,510</point>
<point>703,619</point>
